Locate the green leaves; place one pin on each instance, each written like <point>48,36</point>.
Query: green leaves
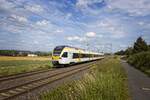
<point>140,45</point>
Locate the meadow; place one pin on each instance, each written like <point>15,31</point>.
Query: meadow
<point>106,81</point>
<point>15,65</point>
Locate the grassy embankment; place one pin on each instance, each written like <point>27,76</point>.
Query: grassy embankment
<point>141,61</point>
<point>14,65</point>
<point>106,81</point>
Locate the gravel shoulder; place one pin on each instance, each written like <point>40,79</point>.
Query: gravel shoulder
<point>138,83</point>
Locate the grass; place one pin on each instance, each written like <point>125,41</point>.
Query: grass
<point>14,65</point>
<point>106,81</point>
<point>9,58</point>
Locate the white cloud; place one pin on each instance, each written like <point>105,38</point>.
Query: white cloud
<point>133,7</point>
<point>76,38</point>
<point>103,24</point>
<point>118,35</point>
<point>36,42</point>
<point>90,34</point>
<point>141,23</point>
<point>42,23</point>
<point>85,3</point>
<point>68,16</point>
<point>100,35</point>
<point>84,6</point>
<point>5,4</point>
<point>34,8</point>
<point>112,28</point>
<point>19,18</point>
<point>59,30</point>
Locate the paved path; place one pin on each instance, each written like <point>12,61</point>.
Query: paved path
<point>139,83</point>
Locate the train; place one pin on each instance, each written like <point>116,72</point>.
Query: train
<point>67,55</point>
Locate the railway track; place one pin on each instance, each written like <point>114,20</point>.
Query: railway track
<point>14,91</point>
<point>14,76</point>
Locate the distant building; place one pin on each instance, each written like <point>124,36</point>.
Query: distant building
<point>32,55</point>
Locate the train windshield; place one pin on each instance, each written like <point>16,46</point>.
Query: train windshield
<point>57,51</point>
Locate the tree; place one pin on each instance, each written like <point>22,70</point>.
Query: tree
<point>121,52</point>
<point>129,51</point>
<point>140,45</point>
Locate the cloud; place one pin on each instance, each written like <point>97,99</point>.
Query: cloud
<point>118,34</point>
<point>42,23</point>
<point>114,28</point>
<point>141,23</point>
<point>90,34</point>
<point>68,16</point>
<point>34,8</point>
<point>133,7</point>
<point>85,6</point>
<point>79,21</point>
<point>5,4</point>
<point>35,42</point>
<point>59,31</point>
<point>76,38</point>
<point>19,18</point>
<point>103,24</point>
<point>100,35</point>
<point>85,3</point>
<point>83,38</point>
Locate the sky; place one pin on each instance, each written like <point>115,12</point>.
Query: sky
<point>98,25</point>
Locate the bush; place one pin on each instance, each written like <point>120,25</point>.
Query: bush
<point>140,60</point>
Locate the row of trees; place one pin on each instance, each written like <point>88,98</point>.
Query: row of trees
<point>139,46</point>
<point>22,53</point>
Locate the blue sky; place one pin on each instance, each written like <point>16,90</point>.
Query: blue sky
<point>40,25</point>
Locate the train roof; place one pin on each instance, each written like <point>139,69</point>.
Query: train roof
<point>85,51</point>
<point>63,46</point>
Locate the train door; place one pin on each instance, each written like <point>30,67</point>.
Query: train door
<point>79,60</point>
<point>65,59</point>
<point>70,57</point>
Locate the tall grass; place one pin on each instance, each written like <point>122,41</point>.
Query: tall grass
<point>106,81</point>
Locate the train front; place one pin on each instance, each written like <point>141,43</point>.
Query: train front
<point>56,55</point>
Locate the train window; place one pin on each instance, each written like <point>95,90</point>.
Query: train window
<point>89,55</point>
<point>56,53</point>
<point>65,54</point>
<point>75,55</point>
<point>82,55</point>
<point>57,50</point>
<point>85,55</point>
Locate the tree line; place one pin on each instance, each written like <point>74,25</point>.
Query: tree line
<point>22,53</point>
<point>139,46</point>
<point>138,55</point>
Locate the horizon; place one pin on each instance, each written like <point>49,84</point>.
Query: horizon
<point>88,24</point>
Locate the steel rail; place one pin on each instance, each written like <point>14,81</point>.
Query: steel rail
<point>20,75</point>
<point>24,88</point>
<point>25,74</point>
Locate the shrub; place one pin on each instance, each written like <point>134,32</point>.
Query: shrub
<point>140,60</point>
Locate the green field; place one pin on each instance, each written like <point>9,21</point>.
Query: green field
<point>14,65</point>
<point>106,81</point>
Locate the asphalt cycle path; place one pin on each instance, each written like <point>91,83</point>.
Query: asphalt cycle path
<point>138,83</point>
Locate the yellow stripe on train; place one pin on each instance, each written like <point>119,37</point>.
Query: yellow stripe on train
<point>55,57</point>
